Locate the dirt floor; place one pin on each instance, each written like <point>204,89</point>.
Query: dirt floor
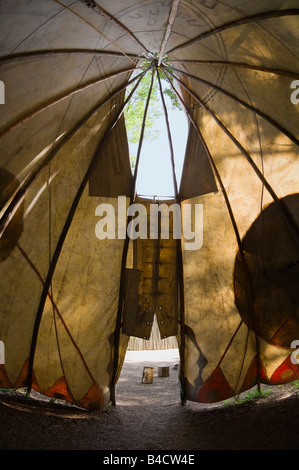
<point>150,417</point>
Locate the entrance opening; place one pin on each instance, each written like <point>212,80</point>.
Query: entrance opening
<point>160,158</point>
<point>162,388</point>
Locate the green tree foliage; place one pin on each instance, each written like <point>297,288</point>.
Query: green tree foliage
<point>135,109</point>
<point>173,99</point>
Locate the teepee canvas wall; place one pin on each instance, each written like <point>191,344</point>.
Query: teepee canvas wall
<point>69,300</point>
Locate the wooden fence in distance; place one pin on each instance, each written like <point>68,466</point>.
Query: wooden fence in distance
<point>155,342</point>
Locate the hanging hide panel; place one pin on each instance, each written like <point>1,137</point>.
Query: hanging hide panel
<point>139,310</point>
<point>153,281</point>
<point>131,305</point>
<point>112,175</point>
<point>91,299</point>
<point>197,176</point>
<point>165,271</point>
<point>167,298</point>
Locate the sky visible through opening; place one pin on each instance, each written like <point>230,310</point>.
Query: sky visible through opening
<point>154,176</point>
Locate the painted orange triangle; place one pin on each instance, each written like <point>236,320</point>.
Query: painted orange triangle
<point>4,381</point>
<point>216,388</point>
<point>23,378</point>
<point>94,399</point>
<point>60,390</point>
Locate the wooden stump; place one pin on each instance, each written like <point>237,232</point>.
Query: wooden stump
<point>163,371</point>
<point>148,375</point>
